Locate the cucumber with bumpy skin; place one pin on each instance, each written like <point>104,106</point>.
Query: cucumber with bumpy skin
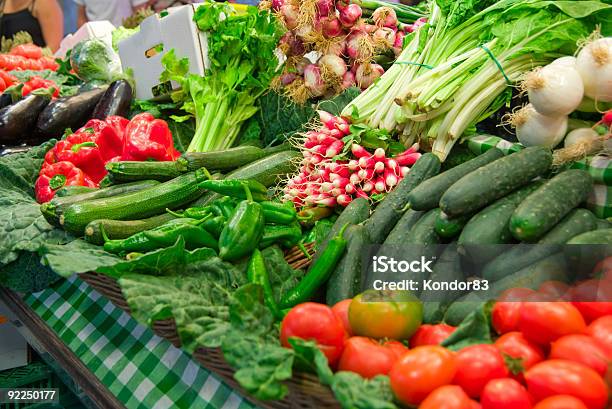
<point>402,228</point>
<point>427,195</point>
<point>545,207</point>
<point>449,227</point>
<point>493,181</point>
<point>390,210</point>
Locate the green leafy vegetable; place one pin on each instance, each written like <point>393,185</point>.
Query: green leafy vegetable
<point>355,392</point>
<point>283,278</point>
<point>475,329</point>
<point>94,61</point>
<point>242,64</point>
<point>76,257</point>
<point>26,274</point>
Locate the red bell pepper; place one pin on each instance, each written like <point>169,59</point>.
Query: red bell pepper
<point>147,138</point>
<point>108,135</point>
<point>37,82</point>
<point>57,175</point>
<point>81,150</point>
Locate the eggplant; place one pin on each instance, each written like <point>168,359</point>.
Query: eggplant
<point>67,112</point>
<point>115,101</point>
<point>6,99</point>
<point>17,121</point>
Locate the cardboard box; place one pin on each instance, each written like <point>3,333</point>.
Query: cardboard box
<point>94,29</point>
<point>160,33</point>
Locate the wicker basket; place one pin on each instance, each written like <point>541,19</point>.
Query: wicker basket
<point>305,391</point>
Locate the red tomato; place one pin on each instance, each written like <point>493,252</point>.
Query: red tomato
<point>317,322</point>
<point>421,371</point>
<point>447,397</point>
<point>34,65</point>
<point>601,330</point>
<point>366,357</point>
<point>397,347</point>
<point>516,346</point>
<point>505,316</point>
<point>592,298</point>
<point>431,335</point>
<point>561,377</point>
<point>476,366</point>
<point>341,310</point>
<point>475,405</point>
<point>27,51</point>
<point>505,394</point>
<point>555,289</point>
<point>560,402</point>
<point>385,314</point>
<point>544,322</point>
<point>582,349</point>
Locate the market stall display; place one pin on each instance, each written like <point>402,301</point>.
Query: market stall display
<point>279,224</point>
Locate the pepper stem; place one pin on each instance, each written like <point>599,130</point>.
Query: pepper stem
<point>247,192</point>
<point>304,250</point>
<point>341,232</point>
<point>104,235</point>
<point>175,214</point>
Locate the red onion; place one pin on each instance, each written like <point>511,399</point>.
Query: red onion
<point>301,65</point>
<point>399,40</point>
<point>359,46</point>
<point>331,26</point>
<point>349,15</point>
<point>384,37</point>
<point>367,74</point>
<point>277,4</point>
<point>313,81</point>
<point>287,78</point>
<point>385,17</point>
<point>289,14</point>
<point>332,70</point>
<point>348,80</point>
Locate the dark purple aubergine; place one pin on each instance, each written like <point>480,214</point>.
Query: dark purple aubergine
<point>67,112</point>
<point>115,101</point>
<point>17,121</point>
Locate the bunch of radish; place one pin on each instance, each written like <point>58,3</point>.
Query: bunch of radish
<point>330,47</point>
<point>330,175</point>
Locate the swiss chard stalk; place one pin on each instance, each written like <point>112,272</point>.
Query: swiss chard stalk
<point>242,64</point>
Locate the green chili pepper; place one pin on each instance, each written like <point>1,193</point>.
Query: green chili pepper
<point>226,205</point>
<point>243,231</point>
<point>164,236</point>
<point>214,225</point>
<point>198,213</point>
<point>287,236</point>
<point>318,273</point>
<point>236,188</point>
<point>257,274</point>
<point>279,213</point>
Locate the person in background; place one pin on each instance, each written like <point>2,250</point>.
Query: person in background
<point>70,16</point>
<point>39,18</point>
<point>114,11</point>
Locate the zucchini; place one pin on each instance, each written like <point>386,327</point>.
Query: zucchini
<point>490,226</point>
<point>398,235</point>
<point>356,212</point>
<point>493,181</point>
<point>427,195</point>
<point>390,210</point>
<point>603,224</point>
<point>129,171</point>
<point>131,206</point>
<point>523,255</point>
<point>550,268</point>
<point>447,269</point>
<point>346,280</point>
<point>449,227</point>
<point>545,207</point>
<point>121,229</point>
<point>73,190</point>
<point>223,160</point>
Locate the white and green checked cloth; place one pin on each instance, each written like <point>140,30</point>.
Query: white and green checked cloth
<point>141,369</point>
<point>599,166</point>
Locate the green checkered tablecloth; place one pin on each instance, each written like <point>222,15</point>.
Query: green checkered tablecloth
<point>141,369</point>
<point>599,166</point>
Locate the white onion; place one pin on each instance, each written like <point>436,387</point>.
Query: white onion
<point>587,136</point>
<point>594,63</point>
<point>535,129</point>
<point>567,61</point>
<point>554,90</point>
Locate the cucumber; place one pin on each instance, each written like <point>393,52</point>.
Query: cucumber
<point>129,171</point>
<point>449,227</point>
<point>447,269</point>
<point>390,210</point>
<point>545,207</point>
<point>493,181</point>
<point>523,255</point>
<point>603,224</point>
<point>131,206</point>
<point>356,212</point>
<point>427,195</point>
<point>73,190</point>
<point>398,235</point>
<point>587,249</point>
<point>423,231</point>
<point>552,267</point>
<point>225,160</point>
<point>345,282</point>
<point>121,229</point>
<point>490,226</point>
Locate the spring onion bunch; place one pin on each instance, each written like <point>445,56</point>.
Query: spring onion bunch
<point>242,65</point>
<point>458,69</point>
